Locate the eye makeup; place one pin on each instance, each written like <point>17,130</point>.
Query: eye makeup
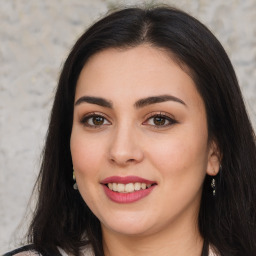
<point>159,120</point>
<point>156,120</point>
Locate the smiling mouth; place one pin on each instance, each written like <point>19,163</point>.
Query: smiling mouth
<point>128,188</point>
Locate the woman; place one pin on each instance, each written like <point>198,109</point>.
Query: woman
<point>149,149</point>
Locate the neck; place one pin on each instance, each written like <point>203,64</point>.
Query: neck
<point>184,240</point>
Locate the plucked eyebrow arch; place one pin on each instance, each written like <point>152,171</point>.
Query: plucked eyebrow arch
<point>157,99</point>
<point>138,104</point>
<point>95,100</point>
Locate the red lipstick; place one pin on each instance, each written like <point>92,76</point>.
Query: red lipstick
<point>126,180</point>
<point>127,197</point>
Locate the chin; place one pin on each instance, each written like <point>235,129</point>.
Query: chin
<point>129,230</point>
<point>128,226</point>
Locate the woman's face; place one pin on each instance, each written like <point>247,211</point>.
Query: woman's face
<point>139,141</point>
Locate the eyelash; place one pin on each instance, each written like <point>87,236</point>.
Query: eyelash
<point>85,119</point>
<point>166,118</point>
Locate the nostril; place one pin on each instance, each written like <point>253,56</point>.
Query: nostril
<point>119,161</point>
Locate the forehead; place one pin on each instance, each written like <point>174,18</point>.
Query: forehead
<point>135,72</point>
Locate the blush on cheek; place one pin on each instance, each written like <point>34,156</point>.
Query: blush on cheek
<point>166,152</point>
<point>86,156</point>
<point>176,158</point>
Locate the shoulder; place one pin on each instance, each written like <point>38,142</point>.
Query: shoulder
<point>26,250</point>
<point>213,251</point>
<point>84,251</point>
<point>87,251</point>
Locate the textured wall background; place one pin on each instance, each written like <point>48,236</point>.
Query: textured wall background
<point>35,39</point>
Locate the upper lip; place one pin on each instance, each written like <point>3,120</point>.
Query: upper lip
<point>126,180</point>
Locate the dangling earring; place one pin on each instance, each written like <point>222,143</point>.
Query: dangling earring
<point>74,178</point>
<point>213,185</point>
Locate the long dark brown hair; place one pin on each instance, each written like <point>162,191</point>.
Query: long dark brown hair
<point>228,220</point>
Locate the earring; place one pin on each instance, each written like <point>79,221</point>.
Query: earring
<point>74,178</point>
<point>213,185</point>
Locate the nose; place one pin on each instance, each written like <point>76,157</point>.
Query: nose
<point>125,147</point>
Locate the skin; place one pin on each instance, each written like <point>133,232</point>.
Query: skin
<point>129,141</point>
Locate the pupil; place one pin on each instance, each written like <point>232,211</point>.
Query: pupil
<point>159,121</point>
<point>97,120</point>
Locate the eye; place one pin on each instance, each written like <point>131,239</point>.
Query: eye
<point>159,120</point>
<point>94,120</point>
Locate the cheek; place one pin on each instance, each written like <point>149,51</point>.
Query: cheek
<point>86,153</point>
<point>180,154</point>
<point>86,156</point>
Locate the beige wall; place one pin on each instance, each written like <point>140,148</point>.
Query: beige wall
<point>35,39</point>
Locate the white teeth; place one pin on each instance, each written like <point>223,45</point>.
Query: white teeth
<point>137,186</point>
<point>114,187</point>
<point>120,187</point>
<point>128,188</point>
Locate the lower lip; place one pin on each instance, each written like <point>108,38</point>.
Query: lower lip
<point>125,198</point>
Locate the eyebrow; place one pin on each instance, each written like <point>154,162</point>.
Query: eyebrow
<point>138,104</point>
<point>95,100</point>
<point>157,99</point>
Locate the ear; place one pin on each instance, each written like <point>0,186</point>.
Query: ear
<point>214,159</point>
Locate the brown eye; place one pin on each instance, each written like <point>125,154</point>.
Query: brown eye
<point>98,120</point>
<point>159,120</point>
<point>94,121</point>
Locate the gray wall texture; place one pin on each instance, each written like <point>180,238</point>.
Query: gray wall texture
<point>36,37</point>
